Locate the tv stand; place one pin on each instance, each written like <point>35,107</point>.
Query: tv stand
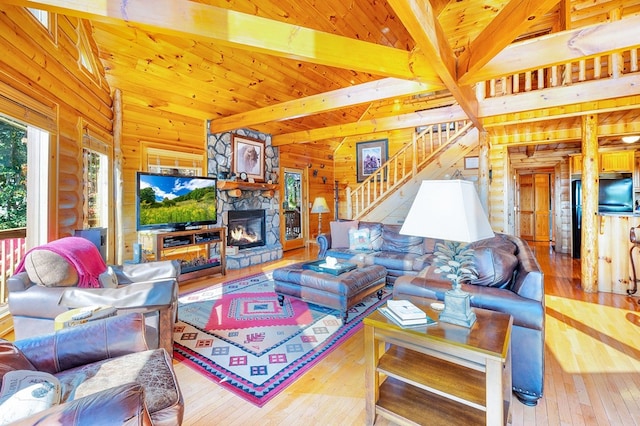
<point>192,248</point>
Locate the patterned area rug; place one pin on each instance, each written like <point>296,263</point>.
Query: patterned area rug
<point>237,334</point>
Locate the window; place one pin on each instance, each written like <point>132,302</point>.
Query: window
<point>95,179</point>
<point>164,161</point>
<point>41,15</point>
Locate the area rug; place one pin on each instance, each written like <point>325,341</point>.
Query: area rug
<point>238,335</point>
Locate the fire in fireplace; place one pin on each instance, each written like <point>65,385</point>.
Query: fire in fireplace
<point>246,228</point>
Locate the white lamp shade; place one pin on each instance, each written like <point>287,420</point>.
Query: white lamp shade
<point>448,210</point>
<point>320,206</point>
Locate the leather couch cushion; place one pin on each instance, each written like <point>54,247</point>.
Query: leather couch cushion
<point>340,232</point>
<point>12,358</point>
<point>499,242</point>
<point>495,267</point>
<point>49,269</point>
<point>393,241</point>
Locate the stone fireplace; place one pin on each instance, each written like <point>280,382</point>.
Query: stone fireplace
<point>219,163</point>
<point>246,228</point>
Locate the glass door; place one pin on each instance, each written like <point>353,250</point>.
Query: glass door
<point>293,221</point>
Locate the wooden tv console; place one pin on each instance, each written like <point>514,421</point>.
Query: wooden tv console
<point>190,245</point>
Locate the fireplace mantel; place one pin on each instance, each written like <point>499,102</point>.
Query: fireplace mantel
<point>234,188</point>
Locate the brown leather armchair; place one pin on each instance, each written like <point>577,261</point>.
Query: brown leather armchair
<point>106,372</point>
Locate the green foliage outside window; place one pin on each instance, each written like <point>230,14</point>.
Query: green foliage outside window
<point>13,177</point>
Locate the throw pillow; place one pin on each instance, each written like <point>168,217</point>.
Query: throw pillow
<point>340,232</point>
<point>26,392</point>
<point>49,269</point>
<point>359,239</point>
<point>375,233</point>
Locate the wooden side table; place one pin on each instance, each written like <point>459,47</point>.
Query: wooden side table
<point>439,374</point>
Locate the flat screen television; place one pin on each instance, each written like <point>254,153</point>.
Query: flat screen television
<point>175,202</point>
<point>615,195</point>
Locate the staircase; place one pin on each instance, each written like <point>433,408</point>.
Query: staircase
<point>386,195</point>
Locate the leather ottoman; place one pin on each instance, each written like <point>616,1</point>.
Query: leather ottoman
<point>339,292</point>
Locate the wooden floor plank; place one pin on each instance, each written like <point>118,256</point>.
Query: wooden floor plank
<point>592,364</point>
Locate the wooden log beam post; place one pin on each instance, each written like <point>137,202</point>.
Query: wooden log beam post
<point>483,170</point>
<point>590,167</point>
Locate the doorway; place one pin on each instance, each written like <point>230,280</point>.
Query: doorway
<point>535,207</point>
<point>293,220</point>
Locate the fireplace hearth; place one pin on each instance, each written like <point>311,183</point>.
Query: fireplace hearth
<point>246,228</point>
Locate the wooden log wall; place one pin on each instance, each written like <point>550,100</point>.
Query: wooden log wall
<point>146,126</point>
<point>44,67</point>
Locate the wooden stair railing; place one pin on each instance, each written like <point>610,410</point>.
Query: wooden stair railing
<point>403,166</point>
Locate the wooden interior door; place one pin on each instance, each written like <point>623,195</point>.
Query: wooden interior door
<point>293,220</point>
<point>527,207</point>
<point>542,207</point>
<point>535,206</point>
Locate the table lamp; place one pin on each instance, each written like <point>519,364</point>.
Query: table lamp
<point>451,210</point>
<point>320,206</point>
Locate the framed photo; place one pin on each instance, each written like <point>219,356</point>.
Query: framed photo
<point>471,162</point>
<point>248,157</point>
<point>370,156</point>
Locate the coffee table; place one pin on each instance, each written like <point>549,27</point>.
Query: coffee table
<point>339,292</point>
<point>441,374</point>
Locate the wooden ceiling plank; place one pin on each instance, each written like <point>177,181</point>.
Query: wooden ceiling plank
<point>360,94</point>
<point>561,48</point>
<point>514,19</point>
<point>195,20</point>
<point>419,19</point>
<point>441,115</point>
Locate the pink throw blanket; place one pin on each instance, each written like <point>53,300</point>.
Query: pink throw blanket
<point>79,252</point>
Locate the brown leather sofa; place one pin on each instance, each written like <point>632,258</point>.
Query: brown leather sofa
<point>106,371</point>
<point>518,291</point>
<point>509,280</point>
<point>150,288</point>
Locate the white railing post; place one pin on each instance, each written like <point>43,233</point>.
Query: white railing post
<point>349,204</point>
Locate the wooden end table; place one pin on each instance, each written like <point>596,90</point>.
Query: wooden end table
<point>439,374</point>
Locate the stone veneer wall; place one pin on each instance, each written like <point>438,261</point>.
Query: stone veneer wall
<point>219,153</point>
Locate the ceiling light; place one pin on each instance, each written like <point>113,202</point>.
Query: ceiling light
<point>630,139</point>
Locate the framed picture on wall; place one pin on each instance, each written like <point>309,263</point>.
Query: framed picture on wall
<point>370,156</point>
<point>471,162</point>
<point>248,158</point>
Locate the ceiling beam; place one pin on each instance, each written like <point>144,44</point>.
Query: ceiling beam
<point>212,24</point>
<point>422,118</point>
<point>560,48</point>
<point>421,22</point>
<point>323,102</point>
<point>513,20</point>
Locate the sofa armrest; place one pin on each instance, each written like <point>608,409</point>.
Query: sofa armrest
<point>19,282</point>
<point>151,271</point>
<point>87,343</point>
<point>324,244</point>
<point>122,405</point>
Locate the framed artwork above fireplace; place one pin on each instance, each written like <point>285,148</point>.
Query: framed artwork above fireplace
<point>248,158</point>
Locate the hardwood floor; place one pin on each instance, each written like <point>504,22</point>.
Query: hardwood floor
<point>592,365</point>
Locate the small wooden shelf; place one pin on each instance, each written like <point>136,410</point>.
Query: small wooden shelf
<point>226,185</point>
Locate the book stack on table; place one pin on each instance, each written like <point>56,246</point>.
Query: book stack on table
<point>405,313</point>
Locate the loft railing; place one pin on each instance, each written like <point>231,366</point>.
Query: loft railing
<point>613,65</point>
<point>12,250</point>
<point>403,166</point>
